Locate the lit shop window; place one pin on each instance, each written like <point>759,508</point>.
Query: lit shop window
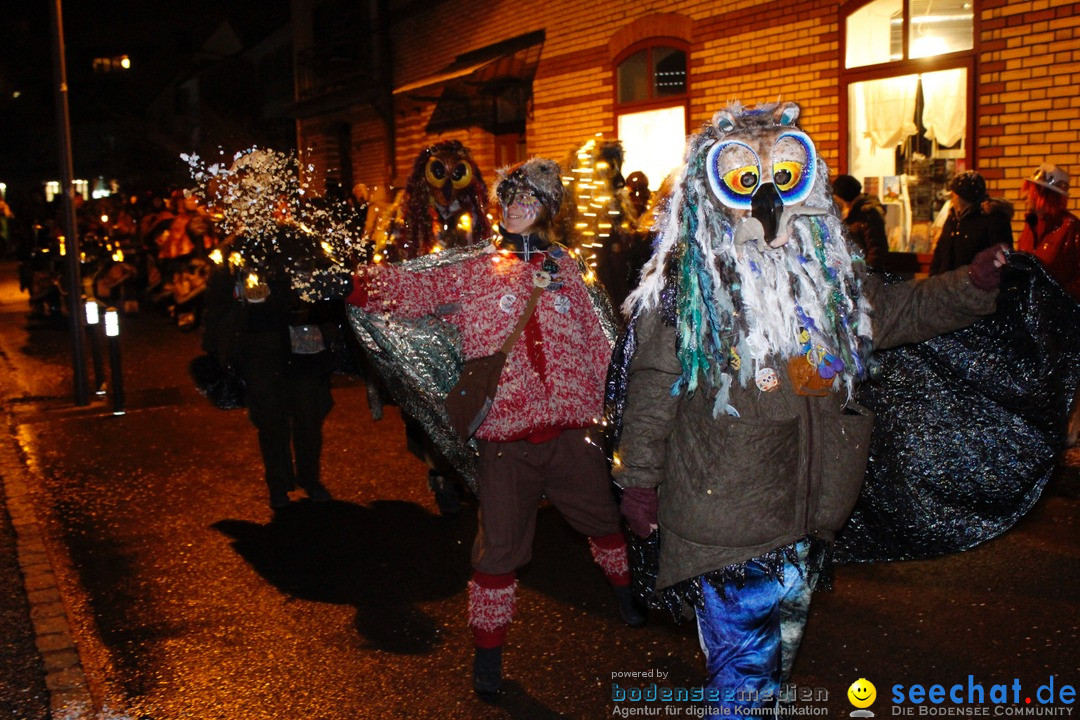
<point>651,100</point>
<point>907,69</point>
<point>653,141</point>
<point>876,32</point>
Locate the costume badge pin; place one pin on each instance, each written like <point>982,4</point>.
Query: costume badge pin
<point>767,379</point>
<point>541,279</point>
<point>506,303</point>
<point>562,304</point>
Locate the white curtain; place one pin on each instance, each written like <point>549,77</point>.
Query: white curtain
<point>945,105</point>
<point>890,110</point>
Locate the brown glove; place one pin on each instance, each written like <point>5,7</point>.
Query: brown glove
<point>985,268</point>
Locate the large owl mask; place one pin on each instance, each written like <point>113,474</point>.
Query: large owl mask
<point>751,259</point>
<point>445,201</point>
<point>763,169</point>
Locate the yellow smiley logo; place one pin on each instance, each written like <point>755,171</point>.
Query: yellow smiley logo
<point>862,693</point>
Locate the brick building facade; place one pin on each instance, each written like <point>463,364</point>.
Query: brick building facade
<point>1023,76</point>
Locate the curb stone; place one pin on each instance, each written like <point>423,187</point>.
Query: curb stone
<point>69,693</point>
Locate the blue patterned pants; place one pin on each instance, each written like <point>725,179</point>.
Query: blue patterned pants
<point>751,633</point>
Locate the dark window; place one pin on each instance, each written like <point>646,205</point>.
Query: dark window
<point>655,72</point>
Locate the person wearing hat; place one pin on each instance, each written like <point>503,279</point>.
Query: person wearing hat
<point>1051,232</point>
<point>864,218</point>
<point>535,440</point>
<point>974,224</point>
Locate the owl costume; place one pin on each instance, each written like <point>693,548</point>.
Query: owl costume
<point>750,328</point>
<point>444,204</point>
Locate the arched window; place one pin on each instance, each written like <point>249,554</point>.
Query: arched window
<point>651,105</point>
<point>906,93</point>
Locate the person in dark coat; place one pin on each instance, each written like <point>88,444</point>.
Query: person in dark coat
<point>864,218</point>
<point>741,439</point>
<point>974,224</point>
<point>280,346</point>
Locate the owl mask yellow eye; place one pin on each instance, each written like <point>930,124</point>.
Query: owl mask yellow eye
<point>734,172</point>
<point>794,163</point>
<point>461,175</point>
<point>742,180</point>
<point>435,172</point>
<point>786,175</point>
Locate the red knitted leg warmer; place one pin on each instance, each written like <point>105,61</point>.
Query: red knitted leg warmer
<point>609,552</point>
<point>491,607</point>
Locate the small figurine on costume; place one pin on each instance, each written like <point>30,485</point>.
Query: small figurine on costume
<point>741,438</point>
<point>535,440</point>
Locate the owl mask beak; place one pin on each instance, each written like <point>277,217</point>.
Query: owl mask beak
<point>444,195</point>
<point>766,207</point>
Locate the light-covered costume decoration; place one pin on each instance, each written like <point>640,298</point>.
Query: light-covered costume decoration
<point>254,194</point>
<point>750,328</point>
<point>603,217</point>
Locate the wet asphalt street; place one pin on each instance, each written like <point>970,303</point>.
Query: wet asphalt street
<point>187,598</point>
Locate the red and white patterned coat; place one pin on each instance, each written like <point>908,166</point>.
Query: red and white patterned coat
<point>554,376</point>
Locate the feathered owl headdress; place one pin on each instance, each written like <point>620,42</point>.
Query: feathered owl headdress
<point>445,184</point>
<point>751,263</point>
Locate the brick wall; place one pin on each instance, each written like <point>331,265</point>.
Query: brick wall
<point>1028,73</point>
<point>795,44</point>
<point>1029,92</point>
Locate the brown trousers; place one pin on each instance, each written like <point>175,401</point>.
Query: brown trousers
<point>514,476</point>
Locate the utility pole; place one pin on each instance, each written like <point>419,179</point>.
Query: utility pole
<point>67,203</point>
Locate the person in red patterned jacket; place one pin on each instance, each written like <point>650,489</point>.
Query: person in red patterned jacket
<point>1051,232</point>
<point>534,441</point>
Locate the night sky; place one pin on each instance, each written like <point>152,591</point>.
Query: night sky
<point>158,37</point>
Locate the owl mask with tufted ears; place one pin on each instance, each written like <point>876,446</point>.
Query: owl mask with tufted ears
<point>751,262</point>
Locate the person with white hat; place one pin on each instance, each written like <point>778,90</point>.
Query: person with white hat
<point>1051,232</point>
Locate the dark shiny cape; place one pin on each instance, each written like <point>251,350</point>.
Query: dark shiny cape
<point>970,425</point>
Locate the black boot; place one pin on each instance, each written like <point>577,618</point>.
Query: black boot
<point>487,671</point>
<point>628,606</point>
<point>446,494</point>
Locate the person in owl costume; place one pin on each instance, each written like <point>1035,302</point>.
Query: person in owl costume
<point>741,440</point>
<point>444,204</point>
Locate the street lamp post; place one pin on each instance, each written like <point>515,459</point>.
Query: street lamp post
<point>93,323</point>
<point>67,202</point>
